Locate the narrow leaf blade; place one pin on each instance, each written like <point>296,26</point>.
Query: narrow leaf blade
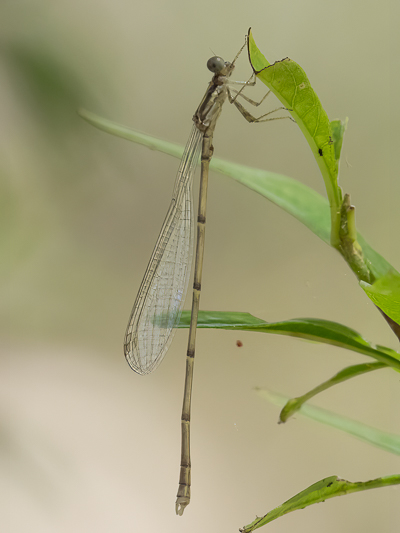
<point>329,487</point>
<point>294,404</point>
<point>314,329</point>
<point>389,442</point>
<point>300,201</point>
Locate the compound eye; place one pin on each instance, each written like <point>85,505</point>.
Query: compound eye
<point>215,64</point>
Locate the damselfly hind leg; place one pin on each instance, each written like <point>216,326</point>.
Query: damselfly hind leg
<point>247,115</point>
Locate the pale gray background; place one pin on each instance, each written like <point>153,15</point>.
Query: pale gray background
<point>95,447</point>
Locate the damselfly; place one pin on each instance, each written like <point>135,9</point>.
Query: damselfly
<point>158,305</point>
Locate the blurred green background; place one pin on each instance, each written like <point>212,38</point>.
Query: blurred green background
<point>88,444</point>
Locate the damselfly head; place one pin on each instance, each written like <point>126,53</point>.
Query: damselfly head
<point>216,64</point>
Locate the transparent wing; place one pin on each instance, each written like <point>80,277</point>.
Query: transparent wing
<point>161,295</point>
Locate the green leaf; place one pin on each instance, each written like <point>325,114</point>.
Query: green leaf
<point>294,404</point>
<point>288,81</point>
<point>385,293</point>
<point>329,487</point>
<point>388,442</point>
<point>313,329</point>
<point>300,201</point>
<point>338,128</point>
